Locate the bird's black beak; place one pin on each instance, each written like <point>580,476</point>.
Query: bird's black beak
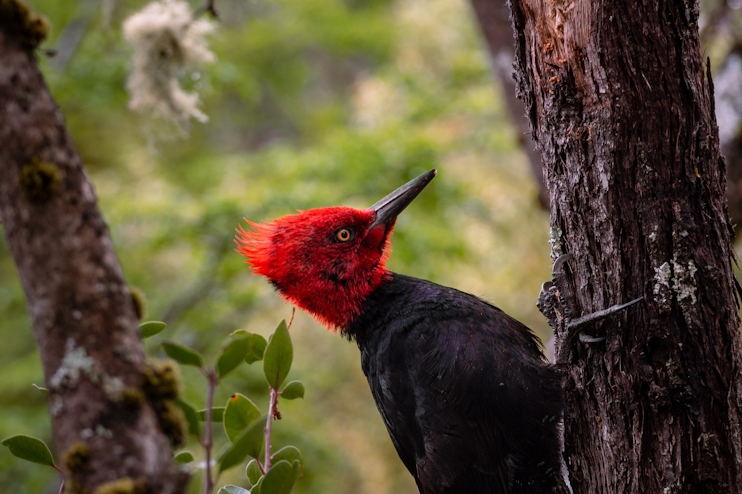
<point>390,206</point>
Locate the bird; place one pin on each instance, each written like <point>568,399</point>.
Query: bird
<point>468,399</point>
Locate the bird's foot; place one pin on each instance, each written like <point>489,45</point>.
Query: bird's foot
<point>557,303</point>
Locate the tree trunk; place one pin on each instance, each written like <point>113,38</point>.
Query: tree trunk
<point>494,21</point>
<point>84,321</point>
<point>622,109</point>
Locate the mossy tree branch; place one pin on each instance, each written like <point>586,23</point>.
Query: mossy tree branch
<point>82,313</point>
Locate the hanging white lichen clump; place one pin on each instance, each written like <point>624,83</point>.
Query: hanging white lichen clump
<point>167,42</point>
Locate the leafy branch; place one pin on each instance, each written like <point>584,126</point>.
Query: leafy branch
<point>248,431</point>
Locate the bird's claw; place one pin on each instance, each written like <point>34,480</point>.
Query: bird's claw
<point>556,268</point>
<point>581,322</point>
<point>557,302</point>
<point>584,338</point>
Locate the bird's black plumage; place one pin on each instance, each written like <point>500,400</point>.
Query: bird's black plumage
<point>469,401</point>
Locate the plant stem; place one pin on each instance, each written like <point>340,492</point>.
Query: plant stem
<point>207,7</point>
<point>271,411</point>
<point>54,465</point>
<point>293,313</point>
<point>207,442</point>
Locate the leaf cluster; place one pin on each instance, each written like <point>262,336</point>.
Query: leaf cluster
<point>244,425</point>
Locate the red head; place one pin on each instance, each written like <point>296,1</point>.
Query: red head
<point>328,260</point>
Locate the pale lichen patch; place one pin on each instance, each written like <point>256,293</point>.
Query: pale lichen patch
<point>684,282</point>
<point>682,278</point>
<point>103,432</point>
<point>75,362</point>
<point>56,407</point>
<point>555,240</point>
<point>663,276</point>
<point>113,387</point>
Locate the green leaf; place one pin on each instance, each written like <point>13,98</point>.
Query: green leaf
<point>151,328</point>
<point>250,443</point>
<point>182,354</point>
<point>42,390</point>
<point>278,356</point>
<point>238,415</point>
<point>232,489</point>
<point>253,472</point>
<point>217,414</point>
<point>293,390</point>
<point>232,356</point>
<point>255,349</point>
<point>257,487</point>
<point>280,478</point>
<point>191,415</point>
<point>29,448</point>
<point>183,457</point>
<point>288,453</point>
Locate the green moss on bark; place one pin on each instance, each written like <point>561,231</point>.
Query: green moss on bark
<point>77,457</point>
<point>20,22</point>
<point>39,179</point>
<point>161,380</point>
<point>125,485</point>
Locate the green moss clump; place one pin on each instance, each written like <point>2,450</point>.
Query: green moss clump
<point>72,487</point>
<point>131,398</point>
<point>161,385</point>
<point>76,457</point>
<point>161,380</point>
<point>39,179</point>
<point>173,422</point>
<point>125,485</point>
<point>140,302</point>
<point>20,22</point>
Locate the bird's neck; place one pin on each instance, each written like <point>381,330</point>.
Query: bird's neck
<point>334,303</point>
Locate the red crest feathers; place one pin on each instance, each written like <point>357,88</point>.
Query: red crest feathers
<point>326,261</point>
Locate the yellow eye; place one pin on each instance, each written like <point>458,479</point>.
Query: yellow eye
<point>343,235</point>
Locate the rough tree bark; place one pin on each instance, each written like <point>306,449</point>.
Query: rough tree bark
<point>107,428</point>
<point>494,21</point>
<point>622,108</point>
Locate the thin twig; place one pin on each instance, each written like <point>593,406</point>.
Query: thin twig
<point>207,7</point>
<point>207,442</point>
<point>293,312</point>
<point>74,31</point>
<point>271,412</point>
<point>54,465</point>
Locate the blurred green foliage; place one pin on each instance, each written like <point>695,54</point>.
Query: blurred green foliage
<point>311,103</point>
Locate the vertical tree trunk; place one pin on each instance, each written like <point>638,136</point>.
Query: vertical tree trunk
<point>84,321</point>
<point>622,109</point>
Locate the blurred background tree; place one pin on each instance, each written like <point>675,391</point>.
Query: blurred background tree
<point>310,103</point>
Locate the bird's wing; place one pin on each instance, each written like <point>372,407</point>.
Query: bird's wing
<point>459,408</point>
